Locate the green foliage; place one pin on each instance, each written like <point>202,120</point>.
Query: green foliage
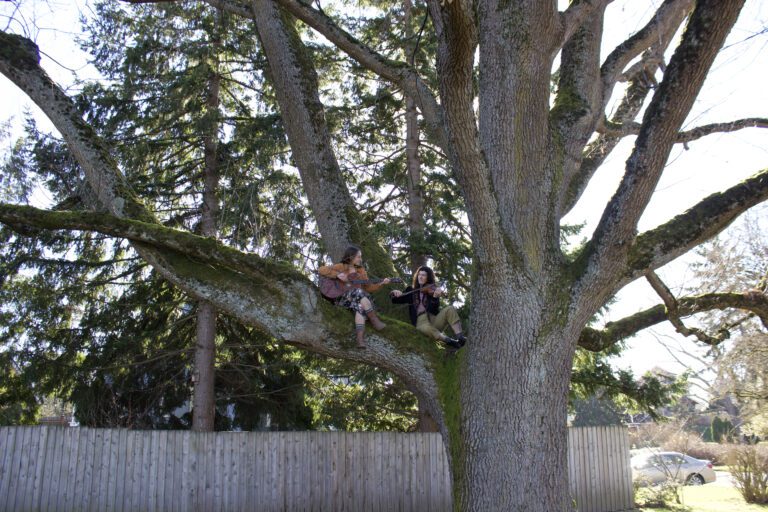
<point>719,430</point>
<point>662,495</point>
<point>350,397</point>
<point>594,412</point>
<point>619,390</point>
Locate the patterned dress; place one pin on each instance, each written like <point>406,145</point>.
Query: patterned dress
<point>351,300</point>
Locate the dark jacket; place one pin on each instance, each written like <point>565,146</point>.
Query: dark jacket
<point>432,304</point>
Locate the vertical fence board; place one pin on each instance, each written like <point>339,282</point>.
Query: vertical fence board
<point>18,486</point>
<point>7,447</point>
<point>66,471</point>
<point>187,467</point>
<point>162,459</point>
<point>51,470</point>
<point>37,465</point>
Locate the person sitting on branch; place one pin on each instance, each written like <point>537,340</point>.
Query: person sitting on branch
<point>424,308</point>
<point>348,286</point>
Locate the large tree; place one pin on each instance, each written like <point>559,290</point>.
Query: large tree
<point>522,160</point>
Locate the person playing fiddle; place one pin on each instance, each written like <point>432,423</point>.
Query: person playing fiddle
<point>424,308</point>
<point>357,299</point>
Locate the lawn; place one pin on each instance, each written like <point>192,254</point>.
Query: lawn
<point>711,498</point>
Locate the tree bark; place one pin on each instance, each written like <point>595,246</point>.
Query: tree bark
<point>204,398</point>
<point>295,80</point>
<point>413,162</point>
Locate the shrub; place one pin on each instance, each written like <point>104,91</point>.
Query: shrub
<point>657,496</point>
<point>749,468</point>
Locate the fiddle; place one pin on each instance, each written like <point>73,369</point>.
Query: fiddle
<point>429,288</point>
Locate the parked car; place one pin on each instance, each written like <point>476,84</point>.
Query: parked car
<point>657,467</point>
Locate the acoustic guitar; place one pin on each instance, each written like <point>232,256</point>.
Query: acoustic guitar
<point>335,288</point>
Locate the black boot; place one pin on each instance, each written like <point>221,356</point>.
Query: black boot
<point>452,342</point>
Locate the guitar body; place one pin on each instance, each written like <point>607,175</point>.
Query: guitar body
<point>332,288</point>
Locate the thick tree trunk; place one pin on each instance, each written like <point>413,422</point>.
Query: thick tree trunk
<point>514,405</point>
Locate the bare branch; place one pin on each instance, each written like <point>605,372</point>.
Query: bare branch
<point>597,340</point>
<point>597,151</point>
<point>657,33</point>
<point>578,104</point>
<point>578,12</point>
<point>631,128</point>
<point>673,312</point>
<point>659,246</point>
<point>708,129</point>
<point>652,41</point>
<point>20,62</point>
<point>710,23</point>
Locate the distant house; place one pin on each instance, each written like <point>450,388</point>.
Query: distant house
<point>685,406</point>
<point>55,421</point>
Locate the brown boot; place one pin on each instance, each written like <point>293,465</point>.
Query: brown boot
<point>360,336</point>
<point>375,322</point>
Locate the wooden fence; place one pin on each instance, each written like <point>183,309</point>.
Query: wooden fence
<point>81,469</point>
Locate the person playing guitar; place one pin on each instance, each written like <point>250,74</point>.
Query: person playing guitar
<point>426,315</point>
<point>350,288</point>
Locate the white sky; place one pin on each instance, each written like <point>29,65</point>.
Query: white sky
<point>736,88</point>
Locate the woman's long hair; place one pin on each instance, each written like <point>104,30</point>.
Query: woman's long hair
<point>430,276</point>
<point>350,254</point>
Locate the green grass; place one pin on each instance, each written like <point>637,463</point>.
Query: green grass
<point>710,498</point>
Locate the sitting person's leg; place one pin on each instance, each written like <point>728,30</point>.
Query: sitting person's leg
<point>367,306</point>
<point>353,300</point>
<point>359,330</point>
<point>449,316</point>
<point>425,326</point>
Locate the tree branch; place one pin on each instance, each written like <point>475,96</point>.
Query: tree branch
<point>20,62</point>
<point>597,340</point>
<point>657,33</point>
<point>657,247</point>
<point>207,250</point>
<point>673,312</point>
<point>271,296</point>
<point>630,128</point>
<point>652,41</point>
<point>576,13</point>
<point>578,104</point>
<point>710,23</point>
<point>598,150</point>
<point>398,73</point>
<point>457,36</point>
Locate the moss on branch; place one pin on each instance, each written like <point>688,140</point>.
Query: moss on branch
<point>203,249</point>
<point>19,51</point>
<point>596,340</point>
<point>713,214</point>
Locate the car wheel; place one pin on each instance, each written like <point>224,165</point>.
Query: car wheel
<point>695,480</point>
